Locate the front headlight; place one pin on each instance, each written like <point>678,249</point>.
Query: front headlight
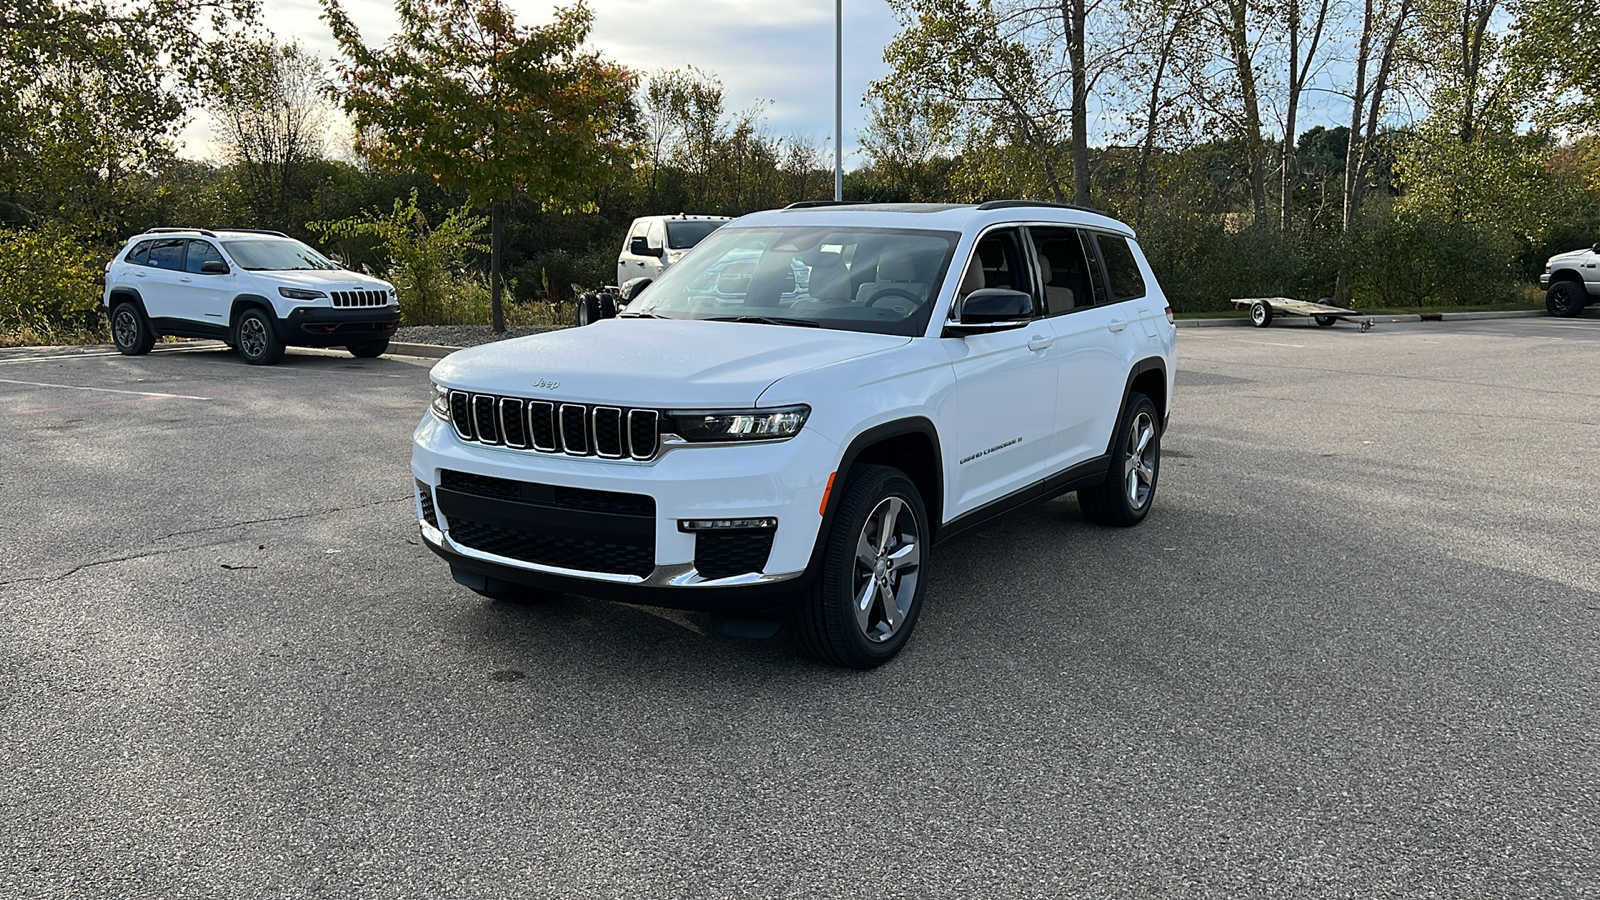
<point>439,400</point>
<point>301,294</point>
<point>701,425</point>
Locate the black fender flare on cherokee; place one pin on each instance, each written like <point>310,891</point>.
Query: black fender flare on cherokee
<point>242,302</point>
<point>126,294</point>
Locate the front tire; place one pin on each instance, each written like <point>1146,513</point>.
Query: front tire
<point>257,339</point>
<point>1566,299</point>
<point>864,604</point>
<point>1124,498</point>
<point>368,349</point>
<point>1261,314</point>
<point>130,330</point>
<point>1325,321</point>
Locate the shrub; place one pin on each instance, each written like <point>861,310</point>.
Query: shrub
<point>49,289</point>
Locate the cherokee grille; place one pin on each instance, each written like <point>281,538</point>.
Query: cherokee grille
<point>572,429</point>
<point>360,298</point>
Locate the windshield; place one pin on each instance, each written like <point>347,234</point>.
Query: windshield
<point>683,235</point>
<point>276,255</point>
<point>853,279</point>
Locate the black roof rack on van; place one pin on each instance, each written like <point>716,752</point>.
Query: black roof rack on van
<point>255,231</point>
<point>812,204</point>
<point>179,231</point>
<point>1022,204</point>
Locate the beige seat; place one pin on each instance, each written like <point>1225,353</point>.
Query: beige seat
<point>1057,298</point>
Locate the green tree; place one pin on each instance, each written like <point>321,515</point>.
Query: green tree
<point>467,96</point>
<point>92,90</point>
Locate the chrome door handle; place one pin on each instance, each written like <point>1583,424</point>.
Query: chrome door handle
<point>186,280</point>
<point>1117,324</point>
<point>1041,343</point>
<point>138,274</point>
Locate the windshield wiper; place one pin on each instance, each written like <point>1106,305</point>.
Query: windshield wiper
<point>640,315</point>
<point>767,320</point>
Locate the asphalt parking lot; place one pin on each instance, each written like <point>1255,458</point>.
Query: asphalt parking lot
<point>1352,653</point>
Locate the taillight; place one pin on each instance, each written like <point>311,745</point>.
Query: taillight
<point>108,267</point>
<point>1169,314</point>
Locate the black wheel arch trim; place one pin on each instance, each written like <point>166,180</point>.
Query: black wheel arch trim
<point>126,294</point>
<point>1567,275</point>
<point>1148,364</point>
<point>241,302</point>
<point>877,434</point>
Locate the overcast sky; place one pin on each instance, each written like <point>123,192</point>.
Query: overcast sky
<point>762,51</point>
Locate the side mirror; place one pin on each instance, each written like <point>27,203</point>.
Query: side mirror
<point>638,247</point>
<point>990,309</point>
<point>632,288</point>
<point>1595,248</point>
<point>214,267</point>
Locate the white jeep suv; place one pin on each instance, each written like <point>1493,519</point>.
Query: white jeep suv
<point>767,453</point>
<point>258,290</point>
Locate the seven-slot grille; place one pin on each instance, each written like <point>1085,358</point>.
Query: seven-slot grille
<point>574,429</point>
<point>360,298</point>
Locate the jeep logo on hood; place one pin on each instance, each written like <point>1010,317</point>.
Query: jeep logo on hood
<point>545,384</point>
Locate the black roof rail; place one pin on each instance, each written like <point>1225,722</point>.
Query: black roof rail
<point>255,231</point>
<point>812,204</point>
<point>178,230</point>
<point>1022,204</point>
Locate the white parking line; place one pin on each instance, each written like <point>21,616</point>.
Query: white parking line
<point>76,387</point>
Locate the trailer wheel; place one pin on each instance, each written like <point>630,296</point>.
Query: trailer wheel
<point>1261,314</point>
<point>1325,321</point>
<point>588,308</point>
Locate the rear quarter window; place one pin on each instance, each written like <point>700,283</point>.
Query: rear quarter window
<point>1122,270</point>
<point>140,254</point>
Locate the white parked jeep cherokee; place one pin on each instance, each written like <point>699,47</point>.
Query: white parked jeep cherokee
<point>740,445</point>
<point>258,290</point>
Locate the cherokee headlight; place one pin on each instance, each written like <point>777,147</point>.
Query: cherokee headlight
<point>301,294</point>
<point>439,400</point>
<point>701,425</point>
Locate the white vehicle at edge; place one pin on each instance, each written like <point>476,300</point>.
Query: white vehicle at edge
<point>1571,280</point>
<point>797,457</point>
<point>653,243</point>
<point>260,291</point>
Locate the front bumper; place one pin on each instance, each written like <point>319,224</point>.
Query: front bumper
<point>515,531</point>
<point>320,326</point>
<point>1544,280</point>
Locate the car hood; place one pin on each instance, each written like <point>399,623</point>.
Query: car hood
<point>1571,256</point>
<point>322,279</point>
<point>654,362</point>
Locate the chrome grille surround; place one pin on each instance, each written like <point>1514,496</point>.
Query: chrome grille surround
<point>544,426</point>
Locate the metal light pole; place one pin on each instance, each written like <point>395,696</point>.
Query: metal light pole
<point>838,99</point>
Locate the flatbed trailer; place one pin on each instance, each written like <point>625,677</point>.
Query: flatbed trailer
<point>1264,309</point>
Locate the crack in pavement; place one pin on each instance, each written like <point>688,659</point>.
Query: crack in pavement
<point>161,551</point>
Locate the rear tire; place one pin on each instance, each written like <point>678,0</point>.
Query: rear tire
<point>256,338</point>
<point>1325,321</point>
<point>1261,314</point>
<point>1125,497</point>
<point>368,349</point>
<point>1566,299</point>
<point>588,309</point>
<point>865,601</point>
<point>130,330</point>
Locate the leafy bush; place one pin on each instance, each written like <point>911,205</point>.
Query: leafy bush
<point>1409,261</point>
<point>49,289</point>
<point>426,264</point>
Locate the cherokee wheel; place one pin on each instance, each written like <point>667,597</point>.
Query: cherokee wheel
<point>130,331</point>
<point>256,338</point>
<point>869,591</point>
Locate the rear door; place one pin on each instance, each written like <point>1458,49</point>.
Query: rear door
<point>1099,335</point>
<point>1005,387</point>
<point>157,280</point>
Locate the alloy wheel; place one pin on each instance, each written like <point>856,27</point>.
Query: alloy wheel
<point>126,328</point>
<point>887,567</point>
<point>252,337</point>
<point>1139,469</point>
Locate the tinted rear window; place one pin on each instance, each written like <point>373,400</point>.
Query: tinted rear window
<point>167,254</point>
<point>1127,283</point>
<point>683,235</point>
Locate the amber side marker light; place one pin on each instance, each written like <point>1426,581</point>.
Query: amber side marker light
<point>823,509</point>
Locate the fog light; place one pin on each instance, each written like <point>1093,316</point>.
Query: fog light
<point>765,523</point>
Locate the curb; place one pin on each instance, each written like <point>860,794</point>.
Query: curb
<point>1410,317</point>
<point>426,351</point>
